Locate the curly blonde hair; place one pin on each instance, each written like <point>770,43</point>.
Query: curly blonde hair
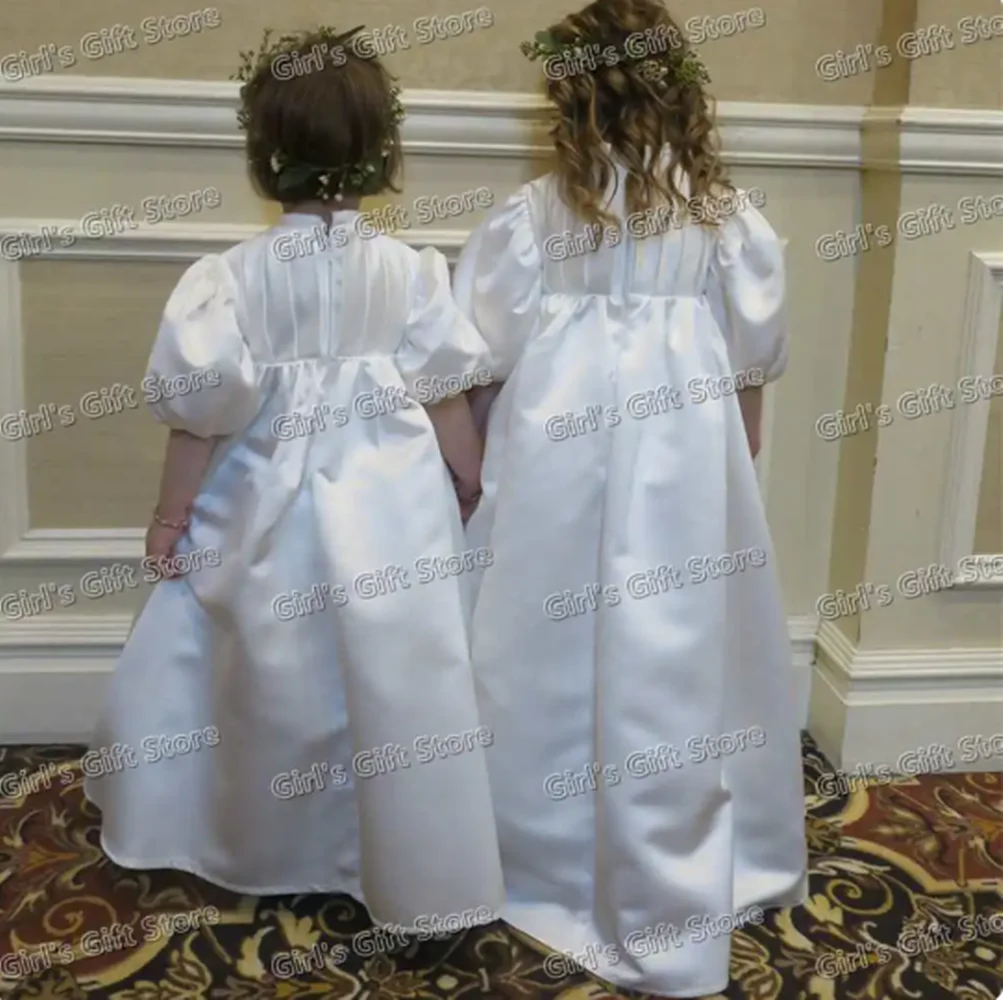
<point>637,106</point>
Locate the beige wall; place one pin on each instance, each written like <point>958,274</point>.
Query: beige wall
<point>880,202</point>
<point>112,459</point>
<point>775,62</point>
<point>68,180</point>
<point>971,74</point>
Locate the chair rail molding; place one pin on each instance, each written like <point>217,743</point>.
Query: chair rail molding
<point>194,113</point>
<point>178,242</point>
<point>951,141</point>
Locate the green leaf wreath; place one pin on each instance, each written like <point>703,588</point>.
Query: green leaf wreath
<point>673,66</point>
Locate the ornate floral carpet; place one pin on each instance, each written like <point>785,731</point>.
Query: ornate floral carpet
<point>906,901</point>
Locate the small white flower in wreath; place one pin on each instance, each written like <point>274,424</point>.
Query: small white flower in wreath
<point>653,71</point>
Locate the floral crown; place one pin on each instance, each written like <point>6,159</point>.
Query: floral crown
<point>672,66</point>
<point>366,177</point>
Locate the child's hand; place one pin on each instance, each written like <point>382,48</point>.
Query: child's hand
<point>469,496</point>
<point>467,508</point>
<point>160,545</point>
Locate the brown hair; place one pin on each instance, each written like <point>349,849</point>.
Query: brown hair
<point>618,103</point>
<point>325,112</point>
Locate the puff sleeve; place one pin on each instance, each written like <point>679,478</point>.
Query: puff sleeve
<point>201,376</point>
<point>499,280</point>
<point>747,293</point>
<point>441,353</point>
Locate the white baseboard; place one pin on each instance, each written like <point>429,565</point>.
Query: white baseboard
<point>865,707</point>
<point>802,630</point>
<point>53,672</point>
<point>869,707</point>
<point>52,675</point>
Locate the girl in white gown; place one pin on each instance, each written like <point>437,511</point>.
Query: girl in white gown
<point>629,639</point>
<point>298,714</point>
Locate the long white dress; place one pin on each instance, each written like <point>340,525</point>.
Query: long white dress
<point>321,656</point>
<point>629,639</point>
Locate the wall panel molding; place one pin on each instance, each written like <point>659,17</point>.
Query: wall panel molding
<point>179,242</point>
<point>72,546</point>
<point>963,485</point>
<point>13,454</point>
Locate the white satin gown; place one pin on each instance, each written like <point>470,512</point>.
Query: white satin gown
<point>629,639</point>
<point>323,661</point>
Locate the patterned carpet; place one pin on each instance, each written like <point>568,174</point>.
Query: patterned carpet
<point>906,902</point>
